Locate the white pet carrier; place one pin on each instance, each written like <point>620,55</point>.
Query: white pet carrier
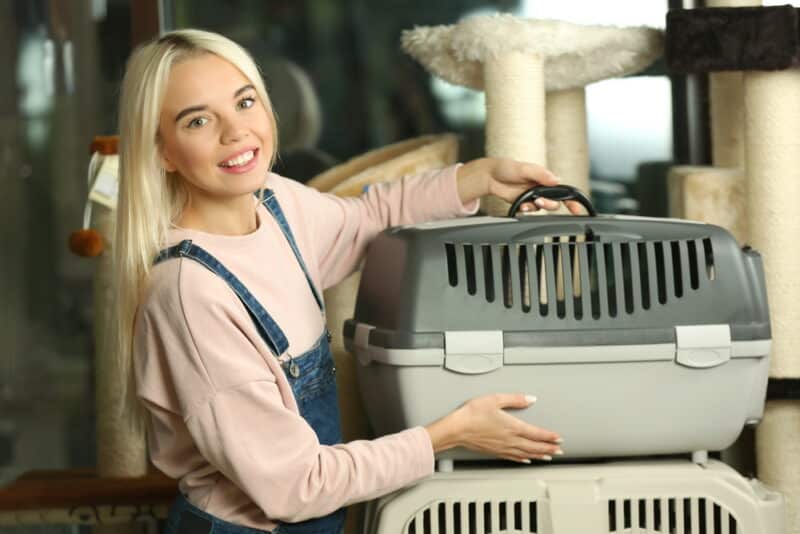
<point>659,497</point>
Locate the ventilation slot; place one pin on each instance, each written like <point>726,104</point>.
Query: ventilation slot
<point>694,274</point>
<point>452,267</point>
<point>469,262</point>
<point>695,515</point>
<point>505,266</point>
<point>644,273</point>
<point>486,517</point>
<point>524,279</point>
<point>488,272</point>
<point>709,257</point>
<point>677,271</point>
<point>661,275</point>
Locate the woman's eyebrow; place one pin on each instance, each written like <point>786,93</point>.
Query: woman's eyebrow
<point>188,110</point>
<point>243,89</point>
<point>192,109</point>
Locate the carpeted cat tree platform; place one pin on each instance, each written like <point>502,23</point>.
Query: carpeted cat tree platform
<point>763,43</point>
<point>534,73</point>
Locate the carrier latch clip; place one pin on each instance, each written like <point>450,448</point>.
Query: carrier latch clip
<point>703,346</point>
<point>473,352</point>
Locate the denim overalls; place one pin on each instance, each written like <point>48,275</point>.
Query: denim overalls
<point>310,374</point>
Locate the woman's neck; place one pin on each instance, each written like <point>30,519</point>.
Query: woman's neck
<point>236,216</point>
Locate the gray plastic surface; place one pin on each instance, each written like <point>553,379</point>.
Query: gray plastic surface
<point>679,364</point>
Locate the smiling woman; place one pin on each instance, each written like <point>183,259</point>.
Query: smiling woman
<point>220,268</point>
<point>213,131</point>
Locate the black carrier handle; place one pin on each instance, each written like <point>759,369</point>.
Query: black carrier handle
<point>553,192</point>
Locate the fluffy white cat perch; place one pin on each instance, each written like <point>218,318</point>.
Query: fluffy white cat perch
<point>515,60</point>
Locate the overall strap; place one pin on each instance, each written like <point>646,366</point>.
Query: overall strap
<point>265,324</point>
<point>271,203</point>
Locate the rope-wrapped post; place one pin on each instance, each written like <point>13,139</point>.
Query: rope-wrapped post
<point>567,136</point>
<point>772,148</point>
<point>515,114</point>
<point>726,106</point>
<point>119,453</point>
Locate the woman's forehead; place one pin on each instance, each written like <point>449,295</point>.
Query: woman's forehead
<point>200,80</point>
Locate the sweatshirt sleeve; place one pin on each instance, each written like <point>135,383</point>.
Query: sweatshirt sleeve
<point>343,227</point>
<point>273,455</point>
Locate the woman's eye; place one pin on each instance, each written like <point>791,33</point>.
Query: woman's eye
<point>247,102</point>
<point>197,122</point>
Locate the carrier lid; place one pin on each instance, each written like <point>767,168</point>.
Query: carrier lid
<point>482,351</point>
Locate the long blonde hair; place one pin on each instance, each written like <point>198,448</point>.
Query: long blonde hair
<point>149,198</point>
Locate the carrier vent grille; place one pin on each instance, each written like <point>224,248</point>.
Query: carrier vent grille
<point>475,517</point>
<point>690,515</point>
<point>577,277</point>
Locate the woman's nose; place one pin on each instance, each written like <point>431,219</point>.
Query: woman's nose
<point>232,131</point>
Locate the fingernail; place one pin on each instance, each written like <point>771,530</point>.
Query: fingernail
<point>539,202</point>
<point>526,207</point>
<point>547,458</point>
<point>556,178</point>
<point>530,399</point>
<point>526,460</point>
<point>559,441</point>
<point>559,452</point>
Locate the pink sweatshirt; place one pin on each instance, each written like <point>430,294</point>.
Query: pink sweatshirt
<point>223,419</point>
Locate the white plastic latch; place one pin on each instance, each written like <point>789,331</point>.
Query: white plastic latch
<point>703,346</point>
<point>361,343</point>
<point>473,352</point>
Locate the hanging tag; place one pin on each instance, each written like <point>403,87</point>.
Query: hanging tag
<point>106,184</point>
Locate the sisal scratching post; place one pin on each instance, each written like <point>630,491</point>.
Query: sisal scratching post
<point>711,195</point>
<point>727,118</point>
<point>119,454</point>
<point>726,106</point>
<point>349,179</point>
<point>567,137</point>
<point>515,113</point>
<point>504,56</point>
<point>772,149</point>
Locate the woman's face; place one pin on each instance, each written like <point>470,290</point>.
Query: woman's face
<point>214,130</point>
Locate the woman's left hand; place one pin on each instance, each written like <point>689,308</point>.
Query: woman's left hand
<point>507,179</point>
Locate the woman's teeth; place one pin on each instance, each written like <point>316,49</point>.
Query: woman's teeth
<point>239,160</point>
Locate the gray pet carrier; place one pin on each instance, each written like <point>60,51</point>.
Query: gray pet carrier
<point>639,336</point>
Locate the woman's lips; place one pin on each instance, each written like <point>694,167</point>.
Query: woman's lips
<point>239,169</point>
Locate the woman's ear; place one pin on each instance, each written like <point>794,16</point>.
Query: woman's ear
<point>165,161</point>
<point>167,164</point>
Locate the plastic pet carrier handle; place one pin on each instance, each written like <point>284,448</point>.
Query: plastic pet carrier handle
<point>553,192</point>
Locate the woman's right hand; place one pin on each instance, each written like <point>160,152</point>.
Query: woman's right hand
<point>483,425</point>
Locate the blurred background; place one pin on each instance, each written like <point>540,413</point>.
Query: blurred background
<point>341,86</point>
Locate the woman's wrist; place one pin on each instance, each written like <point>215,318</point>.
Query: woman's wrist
<point>445,432</point>
<point>472,180</point>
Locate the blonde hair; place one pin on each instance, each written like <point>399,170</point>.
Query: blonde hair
<point>149,198</point>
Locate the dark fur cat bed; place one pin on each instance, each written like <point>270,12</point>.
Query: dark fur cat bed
<point>735,38</point>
